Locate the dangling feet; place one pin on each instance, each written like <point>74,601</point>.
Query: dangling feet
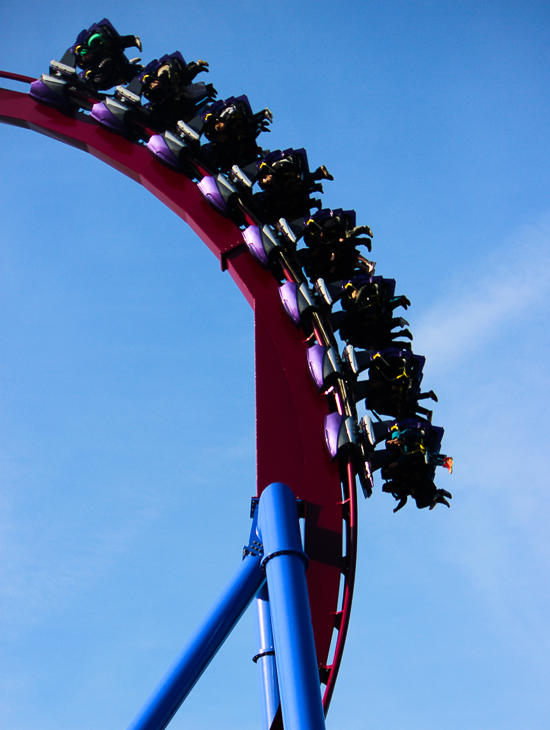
<point>359,230</point>
<point>402,333</point>
<point>324,173</point>
<point>430,394</point>
<point>439,498</point>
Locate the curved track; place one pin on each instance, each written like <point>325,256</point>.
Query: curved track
<point>289,410</point>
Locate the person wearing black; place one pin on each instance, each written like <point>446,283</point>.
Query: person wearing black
<point>99,51</point>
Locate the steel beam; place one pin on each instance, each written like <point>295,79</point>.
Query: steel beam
<point>182,676</point>
<point>285,565</point>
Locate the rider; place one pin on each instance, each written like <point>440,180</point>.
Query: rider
<point>409,461</point>
<point>286,184</point>
<point>168,86</point>
<point>331,237</point>
<point>231,129</point>
<point>99,51</point>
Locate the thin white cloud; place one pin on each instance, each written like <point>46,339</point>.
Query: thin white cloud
<point>483,303</point>
<point>44,569</point>
<point>497,414</point>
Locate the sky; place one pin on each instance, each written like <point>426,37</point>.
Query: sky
<point>127,401</point>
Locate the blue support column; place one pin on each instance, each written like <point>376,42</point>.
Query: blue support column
<point>201,649</point>
<point>265,659</point>
<point>285,564</point>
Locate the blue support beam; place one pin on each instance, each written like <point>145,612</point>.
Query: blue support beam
<point>285,564</point>
<point>265,660</point>
<point>202,647</point>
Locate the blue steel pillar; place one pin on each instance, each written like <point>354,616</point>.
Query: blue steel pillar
<point>265,659</point>
<point>285,564</point>
<point>202,647</point>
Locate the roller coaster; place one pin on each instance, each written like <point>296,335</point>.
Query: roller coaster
<point>322,319</point>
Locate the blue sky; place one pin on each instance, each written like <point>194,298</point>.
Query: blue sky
<point>127,446</point>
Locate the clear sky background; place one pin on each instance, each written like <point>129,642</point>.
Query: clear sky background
<point>127,429</point>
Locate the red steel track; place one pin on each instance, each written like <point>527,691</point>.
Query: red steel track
<point>289,410</point>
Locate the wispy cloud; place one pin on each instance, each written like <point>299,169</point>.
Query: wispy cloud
<point>482,303</point>
<point>43,569</point>
<point>500,535</point>
<point>497,415</point>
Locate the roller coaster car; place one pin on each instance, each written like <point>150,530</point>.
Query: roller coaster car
<point>393,385</point>
<point>329,227</point>
<point>231,128</point>
<point>285,183</point>
<point>263,243</point>
<point>62,86</point>
<point>343,438</point>
<point>99,51</point>
<point>366,320</point>
<point>168,86</point>
<point>181,149</point>
<point>331,237</point>
<point>409,460</point>
<point>230,194</point>
<point>411,443</point>
<point>172,97</point>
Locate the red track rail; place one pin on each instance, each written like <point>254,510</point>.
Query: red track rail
<point>289,411</point>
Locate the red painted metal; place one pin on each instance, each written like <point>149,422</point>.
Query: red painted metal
<point>351,542</point>
<point>16,77</point>
<point>289,411</point>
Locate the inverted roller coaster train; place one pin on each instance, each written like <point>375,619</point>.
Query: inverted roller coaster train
<point>295,267</point>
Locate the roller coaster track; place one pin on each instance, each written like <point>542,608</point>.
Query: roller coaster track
<point>290,413</point>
